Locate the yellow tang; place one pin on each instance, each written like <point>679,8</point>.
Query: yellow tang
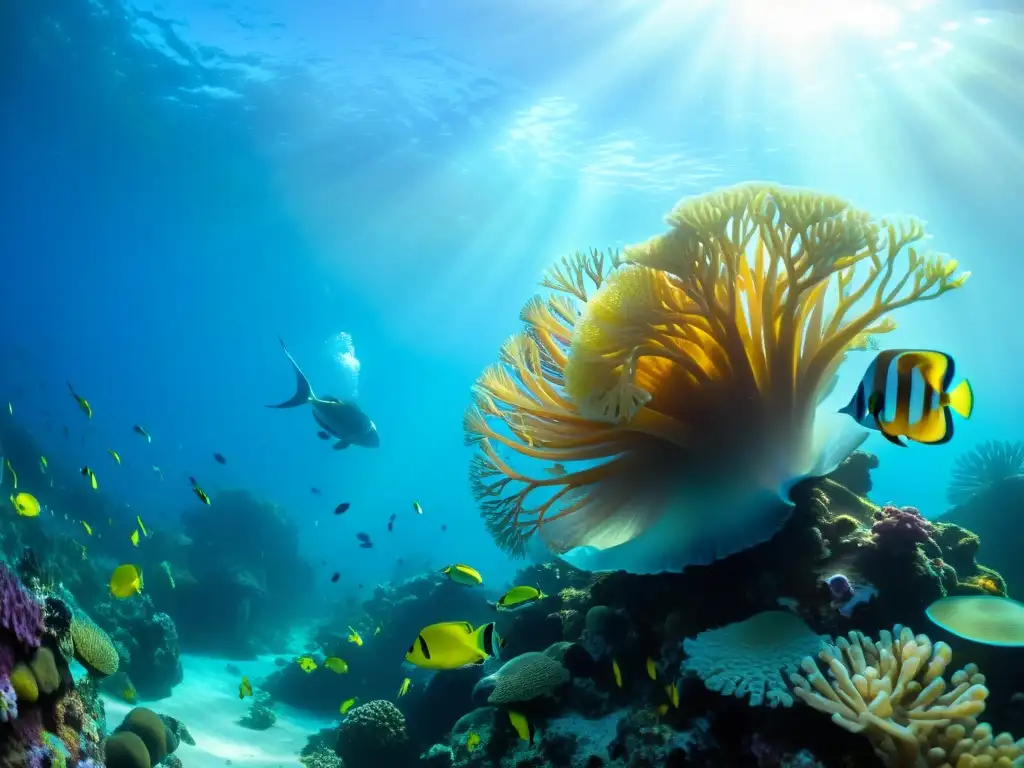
<point>306,663</point>
<point>135,538</point>
<point>244,688</point>
<point>25,504</point>
<point>417,508</point>
<point>354,637</point>
<point>472,741</point>
<point>652,669</point>
<point>673,694</point>
<point>125,581</point>
<point>346,705</point>
<point>86,472</point>
<point>523,726</point>
<point>88,528</point>
<point>141,526</point>
<point>43,464</point>
<point>336,665</point>
<point>404,687</point>
<point>113,455</point>
<point>129,694</point>
<point>453,644</point>
<point>518,597</point>
<point>617,672</point>
<point>463,574</point>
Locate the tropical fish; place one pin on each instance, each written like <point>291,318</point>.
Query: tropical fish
<point>140,431</point>
<point>128,693</point>
<point>343,421</point>
<point>404,687</point>
<point>453,644</point>
<point>617,673</point>
<point>244,688</point>
<point>14,475</point>
<point>364,539</point>
<point>86,472</point>
<point>314,491</point>
<point>199,492</point>
<point>347,704</point>
<point>376,631</point>
<point>135,538</point>
<point>219,458</point>
<point>906,393</point>
<point>306,663</point>
<point>444,527</point>
<point>43,464</point>
<point>25,504</point>
<point>417,508</point>
<point>323,435</point>
<point>125,581</point>
<point>652,669</point>
<point>335,577</point>
<point>114,455</point>
<point>523,726</point>
<point>391,525</point>
<point>354,637</point>
<point>342,508</point>
<point>518,597</point>
<point>472,741</point>
<point>463,574</point>
<point>673,694</point>
<point>83,404</point>
<point>141,526</point>
<point>335,664</point>
<point>88,528</point>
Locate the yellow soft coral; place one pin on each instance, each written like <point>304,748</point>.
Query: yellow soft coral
<point>691,363</point>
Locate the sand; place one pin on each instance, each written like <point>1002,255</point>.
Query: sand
<point>207,702</point>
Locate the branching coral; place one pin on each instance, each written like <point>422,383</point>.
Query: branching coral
<point>895,693</point>
<point>982,467</point>
<point>690,364</point>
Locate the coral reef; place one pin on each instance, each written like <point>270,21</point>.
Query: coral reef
<point>373,735</point>
<point>260,715</point>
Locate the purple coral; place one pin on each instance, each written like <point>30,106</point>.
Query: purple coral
<point>20,613</point>
<point>8,701</point>
<point>900,528</point>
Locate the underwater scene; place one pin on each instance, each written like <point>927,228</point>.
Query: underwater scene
<point>511,384</point>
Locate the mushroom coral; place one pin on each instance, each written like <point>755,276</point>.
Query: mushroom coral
<point>673,390</point>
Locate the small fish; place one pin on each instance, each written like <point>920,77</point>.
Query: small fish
<point>83,404</point>
<point>199,492</point>
<point>337,665</point>
<point>335,577</point>
<point>523,726</point>
<point>10,409</point>
<point>463,574</point>
<point>219,458</point>
<point>662,710</point>
<point>444,527</point>
<point>354,637</point>
<point>454,644</point>
<point>159,472</point>
<point>14,475</point>
<point>125,581</point>
<point>25,504</point>
<point>323,435</point>
<point>314,491</point>
<point>366,545</point>
<point>86,472</point>
<point>417,508</point>
<point>141,526</point>
<point>472,741</point>
<point>342,508</point>
<point>556,470</point>
<point>404,687</point>
<point>43,464</point>
<point>673,694</point>
<point>129,694</point>
<point>88,528</point>
<point>114,455</point>
<point>376,631</point>
<point>138,430</point>
<point>617,673</point>
<point>244,688</point>
<point>518,597</point>
<point>363,537</point>
<point>347,704</point>
<point>135,538</point>
<point>916,401</point>
<point>306,663</point>
<point>652,669</point>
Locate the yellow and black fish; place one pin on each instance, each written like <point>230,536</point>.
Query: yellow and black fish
<point>25,504</point>
<point>82,402</point>
<point>244,688</point>
<point>125,581</point>
<point>617,673</point>
<point>463,574</point>
<point>519,597</point>
<point>906,393</point>
<point>86,472</point>
<point>114,455</point>
<point>199,492</point>
<point>454,644</point>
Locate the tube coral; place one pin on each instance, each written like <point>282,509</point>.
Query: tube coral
<point>680,381</point>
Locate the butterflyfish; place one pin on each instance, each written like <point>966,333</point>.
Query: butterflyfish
<point>306,663</point>
<point>454,644</point>
<point>472,741</point>
<point>519,597</point>
<point>354,637</point>
<point>25,504</point>
<point>138,430</point>
<point>673,694</point>
<point>652,669</point>
<point>83,404</point>
<point>522,725</point>
<point>135,538</point>
<point>463,574</point>
<point>88,528</point>
<point>114,455</point>
<point>333,663</point>
<point>88,473</point>
<point>125,581</point>
<point>906,393</point>
<point>417,508</point>
<point>200,493</point>
<point>14,475</point>
<point>617,673</point>
<point>347,704</point>
<point>141,526</point>
<point>244,688</point>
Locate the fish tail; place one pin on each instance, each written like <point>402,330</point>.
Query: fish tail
<point>960,399</point>
<point>303,392</point>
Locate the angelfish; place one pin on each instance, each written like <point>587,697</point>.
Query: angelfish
<point>342,420</point>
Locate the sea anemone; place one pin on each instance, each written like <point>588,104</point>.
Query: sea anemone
<point>673,390</point>
<point>985,465</point>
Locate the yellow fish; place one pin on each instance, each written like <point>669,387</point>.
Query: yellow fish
<point>662,709</point>
<point>906,393</point>
<point>346,705</point>
<point>404,687</point>
<point>201,494</point>
<point>83,404</point>
<point>354,637</point>
<point>336,665</point>
<point>417,508</point>
<point>519,597</point>
<point>652,670</point>
<point>617,672</point>
<point>141,526</point>
<point>88,528</point>
<point>463,574</point>
<point>523,726</point>
<point>129,694</point>
<point>113,455</point>
<point>244,688</point>
<point>472,741</point>
<point>86,472</point>
<point>453,644</point>
<point>673,694</point>
<point>25,504</point>
<point>43,464</point>
<point>125,581</point>
<point>135,538</point>
<point>376,631</point>
<point>14,475</point>
<point>306,663</point>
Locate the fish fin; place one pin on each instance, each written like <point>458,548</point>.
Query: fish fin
<point>960,399</point>
<point>833,439</point>
<point>303,392</point>
<point>341,445</point>
<point>893,439</point>
<point>939,432</point>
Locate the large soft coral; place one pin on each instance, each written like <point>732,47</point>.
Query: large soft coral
<point>673,390</point>
<point>20,613</point>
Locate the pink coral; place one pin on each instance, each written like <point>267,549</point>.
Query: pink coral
<point>20,613</point>
<point>901,528</point>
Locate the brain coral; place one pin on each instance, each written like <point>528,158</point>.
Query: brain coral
<point>126,750</point>
<point>148,726</point>
<point>746,658</point>
<point>20,614</point>
<point>93,647</point>
<point>373,735</point>
<point>527,677</point>
<point>684,375</point>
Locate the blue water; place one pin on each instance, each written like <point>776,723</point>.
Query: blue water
<point>184,182</point>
